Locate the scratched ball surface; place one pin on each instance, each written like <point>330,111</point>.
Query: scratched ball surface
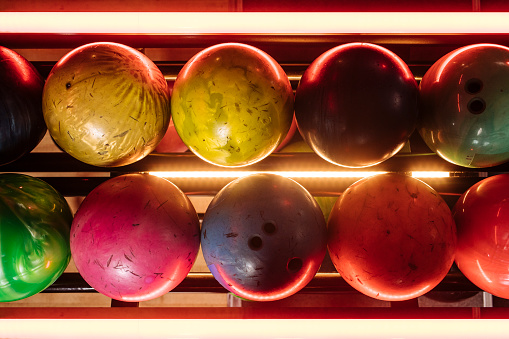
<point>232,104</point>
<point>264,237</point>
<point>135,237</point>
<point>392,237</point>
<point>106,104</point>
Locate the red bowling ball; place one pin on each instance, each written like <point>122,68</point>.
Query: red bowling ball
<point>392,237</point>
<point>356,104</point>
<point>482,218</point>
<point>264,237</point>
<point>171,142</point>
<point>135,237</point>
<point>289,136</point>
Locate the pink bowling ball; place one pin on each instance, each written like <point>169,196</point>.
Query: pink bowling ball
<point>135,237</point>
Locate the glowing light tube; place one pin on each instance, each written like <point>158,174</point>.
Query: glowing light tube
<point>253,328</point>
<point>289,174</point>
<point>255,22</point>
<point>237,174</point>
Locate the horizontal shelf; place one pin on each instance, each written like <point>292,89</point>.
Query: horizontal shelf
<point>62,162</point>
<point>44,165</point>
<point>205,282</point>
<point>267,42</point>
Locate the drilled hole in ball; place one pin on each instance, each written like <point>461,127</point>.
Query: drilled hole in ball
<point>294,265</point>
<point>473,86</point>
<point>269,228</point>
<point>255,243</point>
<point>476,106</point>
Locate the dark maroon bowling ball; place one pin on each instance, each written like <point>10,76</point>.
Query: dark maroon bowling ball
<point>263,237</point>
<point>135,237</point>
<point>356,104</point>
<point>482,218</point>
<point>22,124</point>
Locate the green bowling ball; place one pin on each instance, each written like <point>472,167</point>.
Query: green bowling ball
<point>232,104</point>
<point>463,106</point>
<point>35,222</point>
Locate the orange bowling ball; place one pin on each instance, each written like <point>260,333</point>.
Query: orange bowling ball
<point>392,237</point>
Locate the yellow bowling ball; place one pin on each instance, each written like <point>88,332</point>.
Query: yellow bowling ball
<point>106,104</point>
<point>232,104</point>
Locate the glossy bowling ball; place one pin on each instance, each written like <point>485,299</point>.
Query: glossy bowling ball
<point>171,142</point>
<point>392,237</point>
<point>481,216</point>
<point>289,136</point>
<point>34,236</point>
<point>463,100</point>
<point>232,104</point>
<point>22,124</point>
<point>263,237</point>
<point>106,104</point>
<point>135,237</point>
<point>356,104</point>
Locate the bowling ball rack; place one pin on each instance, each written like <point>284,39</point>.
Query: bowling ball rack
<point>75,179</point>
<point>327,280</point>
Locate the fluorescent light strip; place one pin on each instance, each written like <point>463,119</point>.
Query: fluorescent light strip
<point>254,328</point>
<point>430,174</point>
<point>288,174</point>
<point>254,22</point>
<point>237,174</point>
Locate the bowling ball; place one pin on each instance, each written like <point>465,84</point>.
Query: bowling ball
<point>135,237</point>
<point>22,124</point>
<point>463,100</point>
<point>481,216</point>
<point>171,142</point>
<point>263,237</point>
<point>392,237</point>
<point>356,104</point>
<point>106,104</point>
<point>232,104</point>
<point>289,136</point>
<point>34,236</point>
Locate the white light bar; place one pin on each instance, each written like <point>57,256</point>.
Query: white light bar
<point>288,174</point>
<point>430,174</point>
<point>255,22</point>
<point>254,328</point>
<point>237,174</point>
